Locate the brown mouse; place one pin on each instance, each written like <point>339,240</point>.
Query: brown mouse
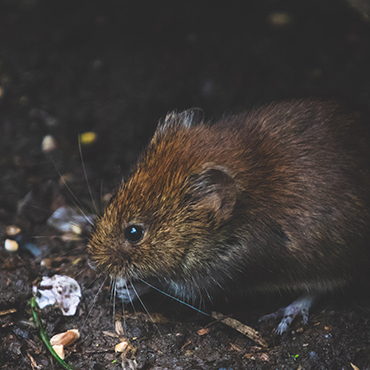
<point>274,199</point>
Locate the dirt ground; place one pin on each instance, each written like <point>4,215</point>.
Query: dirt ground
<point>115,68</point>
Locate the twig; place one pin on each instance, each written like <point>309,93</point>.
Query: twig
<point>241,328</point>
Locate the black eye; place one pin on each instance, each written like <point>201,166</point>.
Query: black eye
<point>134,233</point>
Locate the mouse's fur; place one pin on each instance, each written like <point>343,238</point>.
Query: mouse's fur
<point>277,198</point>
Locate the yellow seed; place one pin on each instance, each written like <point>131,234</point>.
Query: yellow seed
<point>88,137</point>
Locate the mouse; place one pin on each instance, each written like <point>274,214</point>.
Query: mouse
<point>270,200</point>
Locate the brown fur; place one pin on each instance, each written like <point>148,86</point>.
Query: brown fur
<point>277,198</point>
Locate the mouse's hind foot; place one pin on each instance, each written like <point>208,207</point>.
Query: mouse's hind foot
<point>300,307</point>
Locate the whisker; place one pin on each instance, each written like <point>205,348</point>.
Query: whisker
<point>77,202</point>
<point>111,289</point>
<point>123,314</point>
<point>85,269</point>
<point>85,173</point>
<point>146,310</point>
<point>176,299</point>
<point>114,301</point>
<point>129,297</point>
<point>39,208</point>
<point>101,194</point>
<point>93,303</point>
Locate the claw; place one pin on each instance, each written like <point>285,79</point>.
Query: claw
<point>301,307</point>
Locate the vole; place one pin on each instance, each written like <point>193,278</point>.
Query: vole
<point>274,199</point>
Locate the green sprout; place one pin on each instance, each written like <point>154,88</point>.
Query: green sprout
<point>44,337</point>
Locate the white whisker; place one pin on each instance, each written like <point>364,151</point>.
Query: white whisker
<point>123,314</point>
<point>129,297</point>
<point>93,303</point>
<point>176,299</point>
<point>85,173</point>
<point>146,310</point>
<point>114,301</point>
<point>40,208</point>
<point>77,202</point>
<point>111,288</point>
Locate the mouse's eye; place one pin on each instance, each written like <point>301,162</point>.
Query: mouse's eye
<point>134,233</point>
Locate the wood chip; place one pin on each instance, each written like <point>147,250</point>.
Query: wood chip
<point>234,347</point>
<point>6,312</point>
<point>110,334</point>
<point>186,344</point>
<point>203,331</point>
<point>354,367</point>
<point>33,362</point>
<point>241,328</point>
<point>119,328</point>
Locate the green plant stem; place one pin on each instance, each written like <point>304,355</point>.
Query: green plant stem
<point>44,337</point>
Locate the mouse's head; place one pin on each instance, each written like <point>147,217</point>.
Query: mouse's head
<point>167,220</point>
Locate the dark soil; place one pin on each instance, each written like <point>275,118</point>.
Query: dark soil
<point>115,68</point>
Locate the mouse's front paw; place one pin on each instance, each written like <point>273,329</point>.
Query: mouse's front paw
<point>299,307</point>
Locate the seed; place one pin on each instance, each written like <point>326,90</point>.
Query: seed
<point>11,245</point>
<point>65,339</point>
<point>48,144</point>
<point>59,349</point>
<point>120,347</point>
<point>12,230</point>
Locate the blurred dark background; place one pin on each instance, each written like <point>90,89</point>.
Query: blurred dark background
<point>116,67</point>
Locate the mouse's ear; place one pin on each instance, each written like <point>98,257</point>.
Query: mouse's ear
<point>177,120</point>
<point>213,192</point>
